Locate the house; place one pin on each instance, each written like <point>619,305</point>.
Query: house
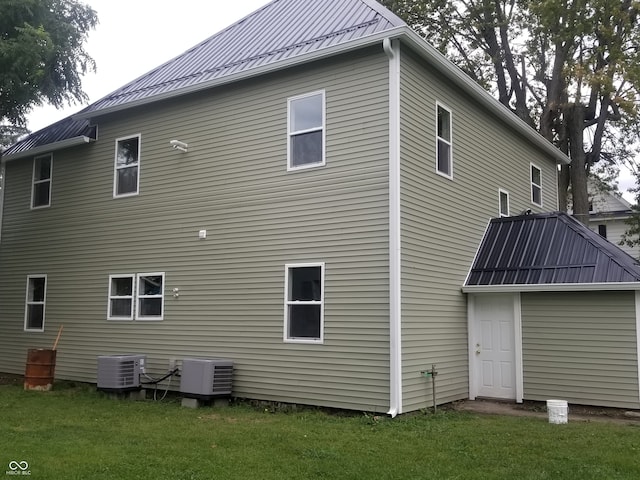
<point>303,193</point>
<point>608,214</point>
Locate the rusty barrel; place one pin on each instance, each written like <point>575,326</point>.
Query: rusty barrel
<point>40,369</point>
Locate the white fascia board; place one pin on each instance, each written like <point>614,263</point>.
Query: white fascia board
<point>557,287</point>
<point>254,72</point>
<point>435,58</point>
<point>51,147</point>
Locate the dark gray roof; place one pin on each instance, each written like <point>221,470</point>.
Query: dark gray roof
<point>551,248</point>
<point>281,30</point>
<point>63,132</point>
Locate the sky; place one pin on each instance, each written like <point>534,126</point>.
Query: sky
<point>135,36</point>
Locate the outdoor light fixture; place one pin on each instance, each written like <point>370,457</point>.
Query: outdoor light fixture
<point>178,145</point>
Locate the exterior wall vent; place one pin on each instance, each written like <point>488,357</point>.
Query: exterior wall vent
<point>120,373</point>
<point>206,378</point>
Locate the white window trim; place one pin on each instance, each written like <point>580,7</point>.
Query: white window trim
<point>133,298</point>
<point>286,337</point>
<point>290,167</point>
<point>34,181</point>
<point>43,303</point>
<point>500,193</point>
<point>448,142</point>
<point>138,297</point>
<point>115,167</point>
<point>534,184</point>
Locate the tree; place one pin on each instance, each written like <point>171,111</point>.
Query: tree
<point>570,68</point>
<point>42,58</point>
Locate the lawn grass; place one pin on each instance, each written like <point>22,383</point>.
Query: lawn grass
<point>75,432</point>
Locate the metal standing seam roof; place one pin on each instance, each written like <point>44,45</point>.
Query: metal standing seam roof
<point>278,31</point>
<point>65,133</point>
<point>548,249</point>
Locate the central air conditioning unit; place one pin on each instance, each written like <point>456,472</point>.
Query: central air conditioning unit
<point>206,378</point>
<point>120,373</point>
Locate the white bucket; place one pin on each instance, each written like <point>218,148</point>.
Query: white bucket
<point>558,411</point>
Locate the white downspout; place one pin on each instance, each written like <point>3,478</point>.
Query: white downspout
<point>2,181</point>
<point>395,292</point>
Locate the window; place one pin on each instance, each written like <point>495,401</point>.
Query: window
<point>304,302</point>
<point>35,303</point>
<point>444,164</point>
<point>504,203</point>
<point>536,185</point>
<point>41,188</point>
<point>306,132</point>
<point>142,293</point>
<point>120,297</point>
<point>602,230</point>
<point>150,296</point>
<point>127,166</point>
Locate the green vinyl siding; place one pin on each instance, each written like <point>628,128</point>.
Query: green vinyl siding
<point>443,221</point>
<point>233,182</point>
<point>580,347</point>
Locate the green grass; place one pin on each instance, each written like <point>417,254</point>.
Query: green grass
<point>77,433</point>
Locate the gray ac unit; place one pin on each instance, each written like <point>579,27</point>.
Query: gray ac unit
<point>120,373</point>
<point>206,378</point>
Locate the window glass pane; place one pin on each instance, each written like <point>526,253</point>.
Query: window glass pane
<point>535,175</point>
<point>444,157</point>
<point>36,289</point>
<point>127,152</point>
<point>121,287</point>
<point>304,321</point>
<point>305,284</point>
<point>150,307</point>
<point>306,148</point>
<point>150,285</point>
<point>444,124</point>
<point>306,113</point>
<point>536,194</point>
<point>35,316</point>
<point>127,180</point>
<point>41,194</point>
<point>504,203</point>
<point>42,169</point>
<point>120,307</point>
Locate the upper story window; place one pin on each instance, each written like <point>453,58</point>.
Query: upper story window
<point>41,188</point>
<point>35,303</point>
<point>306,131</point>
<point>602,230</point>
<point>127,166</point>
<point>504,203</point>
<point>536,185</point>
<point>444,159</point>
<point>304,302</point>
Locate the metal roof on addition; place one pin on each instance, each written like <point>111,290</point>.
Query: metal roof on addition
<point>550,248</point>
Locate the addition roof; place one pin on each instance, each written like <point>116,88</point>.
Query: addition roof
<point>550,250</point>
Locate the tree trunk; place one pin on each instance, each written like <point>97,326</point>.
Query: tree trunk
<point>578,173</point>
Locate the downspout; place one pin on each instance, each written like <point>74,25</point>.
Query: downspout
<point>395,292</point>
<point>2,182</point>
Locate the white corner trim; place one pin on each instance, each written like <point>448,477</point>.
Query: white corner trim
<point>391,48</point>
<point>517,331</point>
<point>638,338</point>
<point>471,322</point>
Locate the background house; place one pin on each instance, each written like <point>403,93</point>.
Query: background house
<point>334,179</point>
<point>608,213</point>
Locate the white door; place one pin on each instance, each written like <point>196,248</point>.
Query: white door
<point>493,346</point>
